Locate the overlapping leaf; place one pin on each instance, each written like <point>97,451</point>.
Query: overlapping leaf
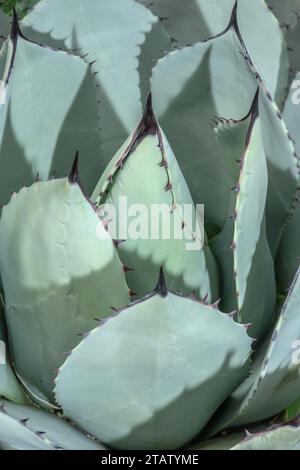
<point>187,94</point>
<point>108,35</point>
<point>9,386</point>
<point>289,250</point>
<point>59,272</point>
<point>288,13</point>
<point>242,247</point>
<point>166,362</point>
<point>27,428</point>
<point>280,438</point>
<point>172,239</point>
<point>188,91</point>
<point>192,20</point>
<point>275,379</point>
<point>4,26</point>
<point>48,112</point>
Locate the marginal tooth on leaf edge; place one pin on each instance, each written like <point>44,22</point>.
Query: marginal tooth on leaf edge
<point>161,287</point>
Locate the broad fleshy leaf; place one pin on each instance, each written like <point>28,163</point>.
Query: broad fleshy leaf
<point>28,428</point>
<point>15,435</point>
<point>144,172</point>
<point>164,363</point>
<point>282,161</point>
<point>59,270</point>
<point>192,75</point>
<point>108,36</point>
<point>155,46</point>
<point>275,380</point>
<point>292,411</point>
<point>288,14</point>
<point>280,438</point>
<point>192,20</point>
<point>225,442</point>
<point>268,57</point>
<point>9,386</point>
<point>289,249</point>
<point>49,111</point>
<point>4,26</point>
<point>242,247</point>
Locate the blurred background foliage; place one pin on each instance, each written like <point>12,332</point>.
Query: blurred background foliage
<point>22,6</point>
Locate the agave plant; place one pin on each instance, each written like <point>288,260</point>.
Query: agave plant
<point>140,343</point>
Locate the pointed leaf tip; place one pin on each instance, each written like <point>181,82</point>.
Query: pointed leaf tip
<point>148,124</point>
<point>148,106</point>
<point>74,173</point>
<point>161,287</point>
<point>15,28</point>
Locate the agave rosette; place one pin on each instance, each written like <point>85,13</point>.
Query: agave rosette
<point>140,343</point>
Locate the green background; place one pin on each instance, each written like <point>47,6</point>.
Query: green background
<point>22,6</point>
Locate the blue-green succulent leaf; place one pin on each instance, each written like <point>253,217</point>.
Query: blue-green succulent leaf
<point>166,362</point>
<point>59,270</point>
<point>288,14</point>
<point>4,26</point>
<point>9,386</point>
<point>43,121</point>
<point>279,438</point>
<point>282,163</point>
<point>242,248</point>
<point>192,20</point>
<point>187,94</point>
<point>107,35</point>
<point>275,380</point>
<point>225,442</point>
<point>28,428</point>
<point>189,265</point>
<point>248,229</point>
<point>16,435</point>
<point>269,56</point>
<point>289,250</point>
<point>292,411</point>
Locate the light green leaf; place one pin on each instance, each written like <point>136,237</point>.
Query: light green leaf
<point>288,13</point>
<point>166,363</point>
<point>225,442</point>
<point>192,75</point>
<point>247,268</point>
<point>108,35</point>
<point>49,113</point>
<point>250,205</point>
<point>59,270</point>
<point>192,20</point>
<point>283,170</point>
<point>15,435</point>
<point>289,249</point>
<point>269,57</point>
<point>56,432</point>
<point>189,266</point>
<point>248,231</point>
<point>275,380</point>
<point>187,94</point>
<point>292,411</point>
<point>280,438</point>
<point>156,45</point>
<point>9,386</point>
<point>4,26</point>
<point>284,11</point>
